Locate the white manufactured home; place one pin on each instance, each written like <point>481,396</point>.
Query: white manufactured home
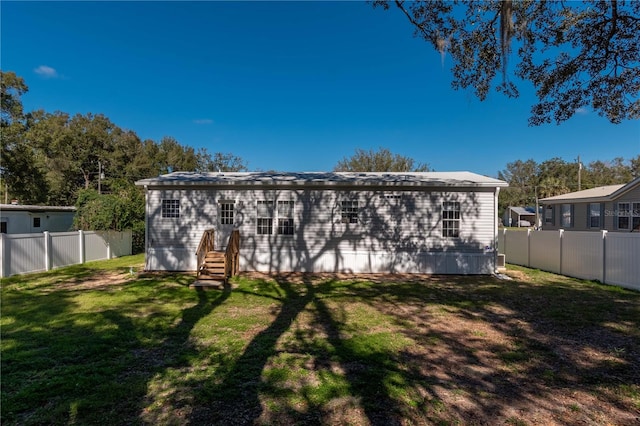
<point>26,219</point>
<point>436,222</point>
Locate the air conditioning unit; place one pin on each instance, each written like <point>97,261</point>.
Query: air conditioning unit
<point>502,262</point>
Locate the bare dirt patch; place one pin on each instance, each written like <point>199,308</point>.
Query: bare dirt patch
<point>100,280</point>
<point>498,357</point>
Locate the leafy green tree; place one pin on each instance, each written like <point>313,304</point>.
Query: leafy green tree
<point>120,210</point>
<point>381,160</point>
<point>522,177</point>
<point>22,178</point>
<point>613,172</point>
<point>634,166</point>
<point>576,54</point>
<point>224,162</point>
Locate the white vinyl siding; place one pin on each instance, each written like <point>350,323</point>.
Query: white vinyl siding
<point>407,225</point>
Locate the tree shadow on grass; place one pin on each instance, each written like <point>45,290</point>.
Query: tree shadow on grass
<point>63,362</point>
<point>357,375</point>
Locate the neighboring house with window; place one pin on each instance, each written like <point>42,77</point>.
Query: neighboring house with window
<point>25,219</point>
<point>612,208</point>
<point>327,222</point>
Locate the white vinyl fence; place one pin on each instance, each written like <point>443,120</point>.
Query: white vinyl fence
<point>22,253</point>
<point>608,257</point>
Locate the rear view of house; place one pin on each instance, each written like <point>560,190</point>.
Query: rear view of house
<point>326,222</point>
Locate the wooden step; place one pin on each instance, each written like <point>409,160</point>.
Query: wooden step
<point>213,277</point>
<point>212,267</point>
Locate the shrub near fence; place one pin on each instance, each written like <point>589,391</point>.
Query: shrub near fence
<point>22,253</point>
<point>608,257</point>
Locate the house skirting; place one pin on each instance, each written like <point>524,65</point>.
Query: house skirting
<point>483,263</point>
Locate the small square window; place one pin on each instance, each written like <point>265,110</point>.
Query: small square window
<point>265,224</point>
<point>349,211</point>
<point>170,208</point>
<point>36,222</point>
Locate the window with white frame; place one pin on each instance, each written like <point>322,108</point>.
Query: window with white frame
<point>170,208</point>
<point>285,218</point>
<point>595,221</point>
<point>548,215</point>
<point>451,219</point>
<point>624,215</point>
<point>226,212</point>
<point>349,211</point>
<point>635,217</point>
<point>264,215</point>
<point>566,219</point>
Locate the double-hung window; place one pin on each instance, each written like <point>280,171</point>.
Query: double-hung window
<point>451,219</point>
<point>567,218</point>
<point>170,208</point>
<point>285,218</point>
<point>628,216</point>
<point>264,214</point>
<point>349,211</point>
<point>548,215</point>
<point>595,220</point>
<point>623,216</point>
<point>269,213</point>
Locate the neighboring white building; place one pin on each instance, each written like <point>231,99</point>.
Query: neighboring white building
<point>327,222</point>
<point>24,219</point>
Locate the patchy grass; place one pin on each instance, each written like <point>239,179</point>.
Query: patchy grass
<point>95,344</point>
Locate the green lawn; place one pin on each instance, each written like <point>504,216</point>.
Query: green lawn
<point>95,344</point>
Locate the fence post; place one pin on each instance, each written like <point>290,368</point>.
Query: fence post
<point>561,233</point>
<point>604,256</point>
<point>3,262</point>
<point>504,241</point>
<point>528,247</point>
<point>47,251</point>
<point>107,240</point>
<point>81,245</point>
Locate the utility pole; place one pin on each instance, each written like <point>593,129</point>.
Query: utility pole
<point>579,173</point>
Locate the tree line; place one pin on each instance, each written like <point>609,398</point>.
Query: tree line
<point>529,180</point>
<point>49,157</point>
<point>88,161</point>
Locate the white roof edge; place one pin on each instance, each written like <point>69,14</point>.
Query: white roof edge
<point>607,193</point>
<point>458,179</point>
<point>27,207</point>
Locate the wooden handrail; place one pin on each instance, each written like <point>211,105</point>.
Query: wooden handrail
<point>231,263</point>
<point>207,244</point>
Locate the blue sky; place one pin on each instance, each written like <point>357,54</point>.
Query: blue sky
<point>291,86</point>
